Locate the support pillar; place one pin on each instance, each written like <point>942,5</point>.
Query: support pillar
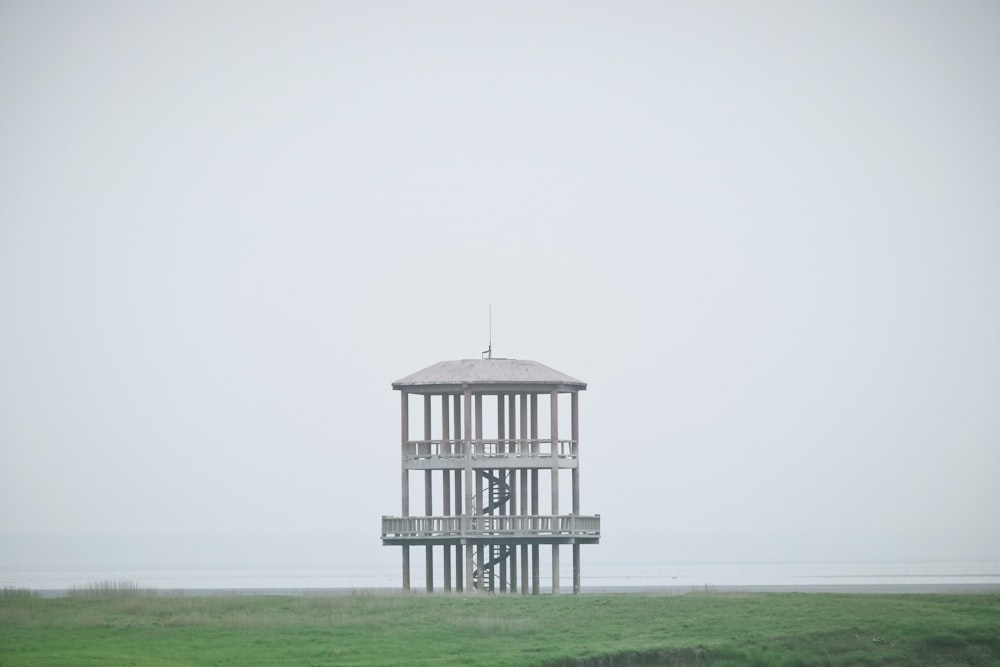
<point>555,569</point>
<point>405,479</point>
<point>535,575</point>
<point>525,449</point>
<point>575,412</point>
<point>459,561</point>
<point>512,554</point>
<point>502,476</point>
<point>459,579</point>
<point>512,480</point>
<point>428,495</point>
<point>477,446</point>
<point>469,586</point>
<point>536,584</point>
<point>469,485</point>
<point>480,548</point>
<point>406,568</point>
<point>446,489</point>
<point>554,435</point>
<point>576,569</point>
<point>575,421</point>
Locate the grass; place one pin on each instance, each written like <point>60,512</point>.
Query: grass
<point>110,587</point>
<point>12,592</point>
<point>102,627</point>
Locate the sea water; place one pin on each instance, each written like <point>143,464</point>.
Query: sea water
<point>595,576</point>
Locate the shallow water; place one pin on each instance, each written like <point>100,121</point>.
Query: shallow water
<point>676,577</point>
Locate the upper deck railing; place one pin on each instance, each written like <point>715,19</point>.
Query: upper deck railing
<point>494,448</point>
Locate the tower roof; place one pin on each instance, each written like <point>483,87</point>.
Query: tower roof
<point>486,375</point>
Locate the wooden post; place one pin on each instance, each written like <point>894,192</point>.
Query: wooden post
<point>501,474</point>
<point>480,549</point>
<point>405,480</point>
<point>445,487</point>
<point>555,569</point>
<point>477,447</point>
<point>576,568</point>
<point>554,434</point>
<point>525,564</point>
<point>535,575</point>
<point>575,410</point>
<point>405,412</point>
<point>536,584</point>
<point>406,568</point>
<point>428,494</point>
<point>512,480</point>
<point>469,487</point>
<point>459,562</point>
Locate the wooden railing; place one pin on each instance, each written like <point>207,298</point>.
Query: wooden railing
<point>514,525</point>
<point>502,448</point>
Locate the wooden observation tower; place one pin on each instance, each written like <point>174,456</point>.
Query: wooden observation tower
<point>489,427</point>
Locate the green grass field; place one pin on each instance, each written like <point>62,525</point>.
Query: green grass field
<point>132,628</point>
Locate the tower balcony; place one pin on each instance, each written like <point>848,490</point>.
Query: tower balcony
<point>492,529</point>
<point>503,453</point>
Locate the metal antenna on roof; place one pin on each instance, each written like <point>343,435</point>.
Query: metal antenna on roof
<point>488,352</point>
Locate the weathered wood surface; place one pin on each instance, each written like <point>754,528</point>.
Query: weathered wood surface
<point>447,529</point>
<point>489,453</point>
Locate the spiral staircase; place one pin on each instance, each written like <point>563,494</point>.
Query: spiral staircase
<point>497,490</point>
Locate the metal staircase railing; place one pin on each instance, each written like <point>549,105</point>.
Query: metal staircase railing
<point>498,554</point>
<point>498,491</point>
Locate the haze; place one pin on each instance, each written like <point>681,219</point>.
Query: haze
<point>765,234</point>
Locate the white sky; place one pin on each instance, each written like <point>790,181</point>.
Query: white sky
<point>766,234</point>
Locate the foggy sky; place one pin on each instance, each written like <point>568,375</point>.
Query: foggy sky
<point>766,234</point>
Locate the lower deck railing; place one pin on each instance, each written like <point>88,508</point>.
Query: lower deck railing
<point>515,525</point>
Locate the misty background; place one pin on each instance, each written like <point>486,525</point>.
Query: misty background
<point>765,234</point>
